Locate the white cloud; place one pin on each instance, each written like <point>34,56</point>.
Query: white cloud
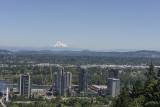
<point>60,44</point>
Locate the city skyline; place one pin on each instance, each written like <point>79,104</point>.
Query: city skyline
<point>92,25</point>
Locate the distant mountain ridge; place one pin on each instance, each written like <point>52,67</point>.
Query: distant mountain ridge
<point>5,52</point>
<point>141,53</point>
<point>15,49</point>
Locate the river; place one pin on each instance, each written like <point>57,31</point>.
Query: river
<point>3,86</point>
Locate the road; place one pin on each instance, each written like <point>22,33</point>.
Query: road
<point>1,101</point>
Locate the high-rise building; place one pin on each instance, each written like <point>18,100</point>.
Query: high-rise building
<point>62,81</point>
<point>83,81</point>
<point>113,73</point>
<point>113,83</point>
<point>113,87</point>
<point>55,80</point>
<point>24,85</point>
<point>67,79</point>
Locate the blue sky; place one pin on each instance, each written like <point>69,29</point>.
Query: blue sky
<point>86,24</point>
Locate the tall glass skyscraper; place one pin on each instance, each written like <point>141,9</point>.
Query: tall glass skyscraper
<point>62,81</point>
<point>83,81</point>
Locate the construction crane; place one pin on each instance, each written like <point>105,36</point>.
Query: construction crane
<point>41,74</point>
<point>51,79</point>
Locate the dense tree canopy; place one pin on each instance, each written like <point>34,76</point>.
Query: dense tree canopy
<point>145,94</point>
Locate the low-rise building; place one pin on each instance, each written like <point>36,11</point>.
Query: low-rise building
<point>98,87</point>
<point>38,92</point>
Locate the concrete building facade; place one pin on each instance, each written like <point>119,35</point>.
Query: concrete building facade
<point>113,83</point>
<point>113,87</point>
<point>24,85</point>
<point>67,79</point>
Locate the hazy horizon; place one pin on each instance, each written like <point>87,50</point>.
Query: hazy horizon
<point>16,49</point>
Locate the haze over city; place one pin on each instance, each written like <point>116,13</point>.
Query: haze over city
<point>79,53</point>
<point>84,24</point>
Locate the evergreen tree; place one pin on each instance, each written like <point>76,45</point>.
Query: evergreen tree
<point>123,99</point>
<point>151,74</point>
<point>137,89</point>
<point>137,102</point>
<point>158,73</point>
<point>147,95</point>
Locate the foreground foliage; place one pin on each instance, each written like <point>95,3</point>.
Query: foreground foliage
<point>59,102</point>
<point>145,94</point>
